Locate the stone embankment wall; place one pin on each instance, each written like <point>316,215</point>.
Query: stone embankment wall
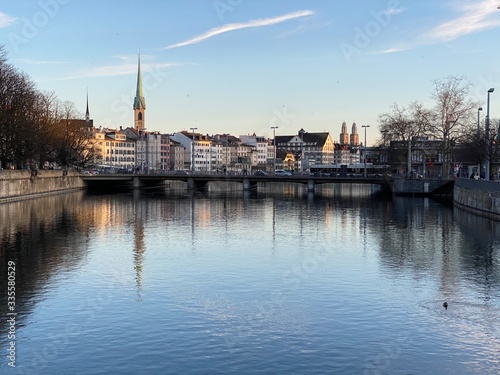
<point>16,184</point>
<point>477,196</point>
<point>416,186</point>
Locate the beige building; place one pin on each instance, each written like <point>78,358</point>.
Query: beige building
<point>177,152</point>
<point>113,149</point>
<point>311,148</point>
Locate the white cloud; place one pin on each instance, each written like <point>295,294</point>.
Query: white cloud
<point>393,11</point>
<point>474,16</point>
<point>121,70</point>
<point>40,62</point>
<point>6,20</point>
<point>471,16</point>
<point>238,26</point>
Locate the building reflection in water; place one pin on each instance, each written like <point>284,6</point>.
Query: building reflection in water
<point>50,236</point>
<point>139,243</point>
<point>46,238</point>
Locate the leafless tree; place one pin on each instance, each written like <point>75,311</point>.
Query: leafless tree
<point>453,112</point>
<point>17,98</point>
<point>72,137</point>
<point>35,126</point>
<point>403,125</point>
<point>447,121</point>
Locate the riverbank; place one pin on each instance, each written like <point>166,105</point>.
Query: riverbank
<point>478,196</point>
<point>18,185</point>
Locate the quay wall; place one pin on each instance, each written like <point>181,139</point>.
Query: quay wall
<point>478,196</point>
<point>417,186</point>
<point>18,185</point>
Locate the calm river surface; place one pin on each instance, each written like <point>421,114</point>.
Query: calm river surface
<point>273,283</point>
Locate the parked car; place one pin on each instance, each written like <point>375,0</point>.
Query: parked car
<point>260,173</point>
<point>282,173</point>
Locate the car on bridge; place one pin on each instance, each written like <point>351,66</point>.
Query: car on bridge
<point>260,173</point>
<point>282,173</point>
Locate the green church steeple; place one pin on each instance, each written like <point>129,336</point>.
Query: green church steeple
<point>139,101</point>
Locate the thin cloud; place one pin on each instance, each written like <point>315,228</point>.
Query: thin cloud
<point>474,17</point>
<point>393,11</point>
<point>120,70</point>
<point>6,20</point>
<point>244,25</point>
<point>305,28</point>
<point>40,62</point>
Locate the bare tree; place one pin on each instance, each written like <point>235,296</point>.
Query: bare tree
<point>72,137</point>
<point>17,98</point>
<point>448,121</point>
<point>453,112</point>
<point>35,127</point>
<point>404,125</point>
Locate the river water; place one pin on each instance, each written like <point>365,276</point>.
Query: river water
<point>277,282</point>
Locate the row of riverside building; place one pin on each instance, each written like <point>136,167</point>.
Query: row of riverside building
<point>136,149</point>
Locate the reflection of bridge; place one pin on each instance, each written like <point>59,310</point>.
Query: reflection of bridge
<point>200,181</point>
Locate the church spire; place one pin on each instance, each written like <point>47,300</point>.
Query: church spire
<point>139,101</point>
<point>87,113</point>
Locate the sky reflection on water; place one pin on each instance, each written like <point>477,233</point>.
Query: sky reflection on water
<point>274,282</point>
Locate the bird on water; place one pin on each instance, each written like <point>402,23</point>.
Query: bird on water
<point>445,305</point>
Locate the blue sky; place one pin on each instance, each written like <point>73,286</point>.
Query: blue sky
<point>242,66</point>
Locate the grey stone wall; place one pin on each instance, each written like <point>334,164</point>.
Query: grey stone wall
<point>477,196</point>
<point>416,186</point>
<point>16,184</point>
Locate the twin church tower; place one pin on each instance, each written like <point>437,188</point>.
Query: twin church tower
<point>353,140</point>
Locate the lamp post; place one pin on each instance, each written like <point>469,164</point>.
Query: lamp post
<point>192,150</point>
<point>478,121</point>
<point>479,133</point>
<point>385,149</point>
<point>423,155</point>
<point>274,142</point>
<point>364,156</point>
<point>487,131</point>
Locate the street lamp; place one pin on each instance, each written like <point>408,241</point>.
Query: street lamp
<point>487,130</point>
<point>274,142</point>
<point>226,167</point>
<point>478,121</point>
<point>479,132</point>
<point>192,150</point>
<point>385,149</point>
<point>364,158</point>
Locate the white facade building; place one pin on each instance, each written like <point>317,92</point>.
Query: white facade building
<point>198,150</point>
<point>261,146</point>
